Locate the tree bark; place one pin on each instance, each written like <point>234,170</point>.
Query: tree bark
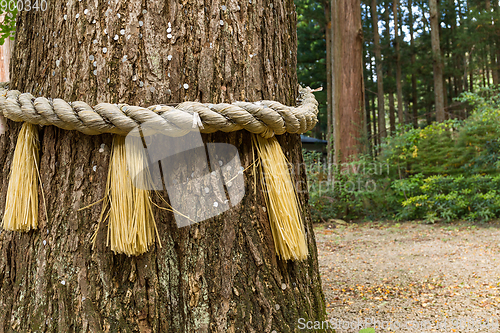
<point>437,61</point>
<point>413,60</point>
<point>349,97</point>
<point>392,113</point>
<point>378,64</point>
<point>219,275</point>
<point>329,86</point>
<point>399,84</point>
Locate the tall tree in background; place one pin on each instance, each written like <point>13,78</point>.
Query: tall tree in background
<point>349,105</point>
<point>437,61</point>
<point>219,275</point>
<point>413,69</point>
<point>378,64</point>
<point>399,84</point>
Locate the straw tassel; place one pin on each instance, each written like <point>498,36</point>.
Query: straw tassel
<point>281,199</point>
<point>131,228</point>
<point>21,205</point>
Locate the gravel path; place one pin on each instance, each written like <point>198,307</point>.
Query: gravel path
<point>411,277</point>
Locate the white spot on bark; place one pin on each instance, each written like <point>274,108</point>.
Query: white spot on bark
<point>134,78</point>
<point>58,62</point>
<point>94,168</point>
<point>128,37</point>
<point>169,36</point>
<point>169,25</point>
<point>101,150</point>
<point>168,74</point>
<point>124,58</point>
<point>221,22</point>
<point>94,41</point>
<point>277,307</point>
<point>95,63</point>
<point>169,57</point>
<point>144,11</point>
<point>216,204</point>
<point>104,50</point>
<point>77,16</point>
<point>186,86</point>
<point>95,71</point>
<point>63,282</point>
<point>65,17</point>
<point>105,31</point>
<point>116,37</point>
<point>53,73</point>
<point>141,23</point>
<point>141,84</point>
<point>211,46</point>
<point>93,21</point>
<point>122,32</point>
<point>283,286</point>
<point>207,190</point>
<point>118,14</point>
<point>140,35</point>
<point>223,8</point>
<point>44,242</point>
<point>86,11</point>
<point>152,89</point>
<point>91,57</point>
<point>108,80</point>
<point>169,30</point>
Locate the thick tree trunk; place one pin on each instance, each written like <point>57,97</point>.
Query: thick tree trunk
<point>349,95</point>
<point>219,275</point>
<point>378,64</point>
<point>437,61</point>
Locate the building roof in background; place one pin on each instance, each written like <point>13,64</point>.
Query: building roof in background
<point>308,139</point>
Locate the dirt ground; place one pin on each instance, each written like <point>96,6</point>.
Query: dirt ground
<point>411,277</point>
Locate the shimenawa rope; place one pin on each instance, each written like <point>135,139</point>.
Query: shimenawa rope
<point>131,222</point>
<point>266,118</point>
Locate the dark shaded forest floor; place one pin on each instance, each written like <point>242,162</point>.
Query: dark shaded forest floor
<point>444,277</point>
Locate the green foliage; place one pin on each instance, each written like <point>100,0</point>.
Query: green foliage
<point>311,50</point>
<point>444,171</point>
<point>8,25</point>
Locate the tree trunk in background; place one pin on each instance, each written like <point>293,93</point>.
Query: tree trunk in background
<point>492,48</point>
<point>329,86</point>
<point>389,59</point>
<point>378,64</point>
<point>392,113</point>
<point>413,60</point>
<point>399,84</point>
<point>219,275</point>
<point>349,97</point>
<point>438,65</point>
<point>376,137</point>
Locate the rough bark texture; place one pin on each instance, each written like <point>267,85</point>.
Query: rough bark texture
<point>378,64</point>
<point>437,61</point>
<point>220,275</point>
<point>349,102</point>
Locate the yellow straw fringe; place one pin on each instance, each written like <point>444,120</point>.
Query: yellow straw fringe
<point>131,228</point>
<point>281,198</point>
<point>21,205</point>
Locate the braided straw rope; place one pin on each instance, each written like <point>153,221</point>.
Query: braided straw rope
<point>266,118</point>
